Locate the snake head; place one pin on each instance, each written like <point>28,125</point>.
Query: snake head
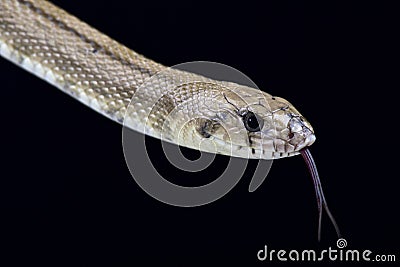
<point>249,123</point>
<point>291,131</point>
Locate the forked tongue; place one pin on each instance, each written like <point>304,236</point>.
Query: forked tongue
<point>305,152</point>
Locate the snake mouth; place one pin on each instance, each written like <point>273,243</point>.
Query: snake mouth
<point>263,150</point>
<point>301,134</point>
<point>307,141</point>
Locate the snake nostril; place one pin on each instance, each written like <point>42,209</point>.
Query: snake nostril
<point>291,135</point>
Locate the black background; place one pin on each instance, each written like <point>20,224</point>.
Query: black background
<point>69,197</point>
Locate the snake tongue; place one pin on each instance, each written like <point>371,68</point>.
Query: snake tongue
<point>321,201</point>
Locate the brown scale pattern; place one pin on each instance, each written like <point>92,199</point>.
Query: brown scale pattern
<point>87,63</point>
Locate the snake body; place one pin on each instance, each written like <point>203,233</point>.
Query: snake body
<point>178,106</point>
<point>174,105</point>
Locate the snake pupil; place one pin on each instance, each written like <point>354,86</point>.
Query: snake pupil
<point>252,122</point>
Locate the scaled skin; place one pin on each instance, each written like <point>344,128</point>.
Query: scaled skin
<point>213,121</point>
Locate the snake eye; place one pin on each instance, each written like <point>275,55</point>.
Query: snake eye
<point>252,122</point>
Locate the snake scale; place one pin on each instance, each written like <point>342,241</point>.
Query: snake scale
<point>174,105</point>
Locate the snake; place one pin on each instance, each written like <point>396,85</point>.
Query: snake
<point>171,104</point>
